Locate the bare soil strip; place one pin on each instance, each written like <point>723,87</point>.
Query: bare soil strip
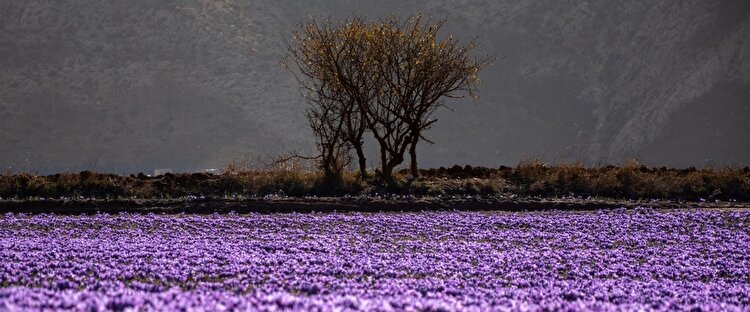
<point>339,204</point>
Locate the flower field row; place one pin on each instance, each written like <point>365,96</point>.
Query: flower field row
<point>618,260</point>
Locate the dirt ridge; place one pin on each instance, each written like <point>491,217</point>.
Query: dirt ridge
<point>267,205</point>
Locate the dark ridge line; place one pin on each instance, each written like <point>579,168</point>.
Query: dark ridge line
<point>327,205</point>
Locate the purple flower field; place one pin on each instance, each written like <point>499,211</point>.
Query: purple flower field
<point>439,261</point>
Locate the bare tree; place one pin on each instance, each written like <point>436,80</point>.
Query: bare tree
<point>387,77</point>
<point>321,53</point>
<point>415,71</point>
<point>327,125</point>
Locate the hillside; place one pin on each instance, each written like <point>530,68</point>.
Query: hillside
<point>132,86</point>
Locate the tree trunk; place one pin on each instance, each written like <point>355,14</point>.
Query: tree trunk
<point>413,154</point>
<point>383,162</point>
<point>390,165</point>
<point>362,159</point>
<point>387,174</point>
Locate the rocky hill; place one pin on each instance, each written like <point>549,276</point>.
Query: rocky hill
<point>134,85</point>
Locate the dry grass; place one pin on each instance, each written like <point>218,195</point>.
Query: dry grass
<point>631,181</point>
<point>533,178</point>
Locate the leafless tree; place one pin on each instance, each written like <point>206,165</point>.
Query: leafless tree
<point>387,77</point>
<point>415,70</point>
<point>327,125</point>
<point>320,53</point>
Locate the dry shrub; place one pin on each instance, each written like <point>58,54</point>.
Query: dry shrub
<point>632,181</point>
<point>6,184</point>
<point>529,173</point>
<point>727,183</point>
<point>297,178</point>
<point>571,177</point>
<point>137,188</point>
<point>290,176</point>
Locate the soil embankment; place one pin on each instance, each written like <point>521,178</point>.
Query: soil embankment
<point>338,204</point>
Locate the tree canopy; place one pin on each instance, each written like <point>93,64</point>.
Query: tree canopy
<point>384,77</point>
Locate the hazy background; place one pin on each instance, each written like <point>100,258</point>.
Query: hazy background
<point>128,86</point>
